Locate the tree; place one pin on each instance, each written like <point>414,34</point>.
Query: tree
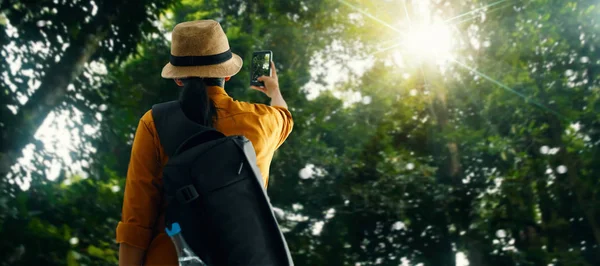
<point>56,41</point>
<point>491,154</point>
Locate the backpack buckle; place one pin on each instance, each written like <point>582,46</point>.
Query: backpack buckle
<point>186,194</point>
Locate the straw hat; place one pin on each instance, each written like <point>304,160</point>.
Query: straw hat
<point>201,49</point>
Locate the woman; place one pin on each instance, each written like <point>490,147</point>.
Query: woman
<point>201,62</point>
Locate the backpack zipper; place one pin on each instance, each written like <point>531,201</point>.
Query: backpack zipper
<point>240,170</point>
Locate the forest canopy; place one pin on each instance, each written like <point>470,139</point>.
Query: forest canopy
<point>426,132</point>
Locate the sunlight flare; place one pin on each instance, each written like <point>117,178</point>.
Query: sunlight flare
<point>527,99</point>
<point>369,15</point>
<point>431,42</point>
<point>475,10</point>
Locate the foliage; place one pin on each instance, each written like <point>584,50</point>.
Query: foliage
<point>49,47</point>
<point>492,154</point>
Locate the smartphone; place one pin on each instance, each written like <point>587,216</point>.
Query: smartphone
<point>261,66</point>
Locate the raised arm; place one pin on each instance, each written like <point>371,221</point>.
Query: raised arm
<point>271,88</point>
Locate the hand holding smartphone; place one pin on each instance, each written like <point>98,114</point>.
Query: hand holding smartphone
<point>261,66</point>
<point>263,77</point>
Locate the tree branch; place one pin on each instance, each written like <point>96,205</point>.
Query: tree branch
<point>52,92</point>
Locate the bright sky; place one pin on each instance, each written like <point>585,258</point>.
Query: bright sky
<point>336,74</point>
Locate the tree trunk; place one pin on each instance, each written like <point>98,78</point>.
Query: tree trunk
<point>45,99</point>
<point>546,207</point>
<point>442,254</point>
<point>450,173</point>
<point>556,132</point>
<point>475,252</point>
<point>582,193</point>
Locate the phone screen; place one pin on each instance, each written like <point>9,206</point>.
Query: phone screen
<point>260,66</point>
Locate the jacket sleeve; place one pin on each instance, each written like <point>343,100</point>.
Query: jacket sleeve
<point>283,124</point>
<point>142,189</point>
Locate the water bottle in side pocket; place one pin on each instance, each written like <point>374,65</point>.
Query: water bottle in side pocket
<point>185,255</point>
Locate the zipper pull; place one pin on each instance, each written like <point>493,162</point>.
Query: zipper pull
<point>241,166</point>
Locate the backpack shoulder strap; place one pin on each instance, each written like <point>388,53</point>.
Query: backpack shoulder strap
<point>173,126</point>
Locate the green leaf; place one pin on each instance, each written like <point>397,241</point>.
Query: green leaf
<point>71,258</point>
<point>95,251</point>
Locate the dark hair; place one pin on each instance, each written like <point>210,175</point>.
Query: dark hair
<point>196,103</point>
<point>214,82</point>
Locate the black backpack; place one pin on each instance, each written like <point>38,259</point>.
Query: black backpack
<point>215,192</point>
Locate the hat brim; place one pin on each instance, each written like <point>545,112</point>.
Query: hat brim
<point>222,70</point>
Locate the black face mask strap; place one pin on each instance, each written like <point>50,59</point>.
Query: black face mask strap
<point>204,60</point>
